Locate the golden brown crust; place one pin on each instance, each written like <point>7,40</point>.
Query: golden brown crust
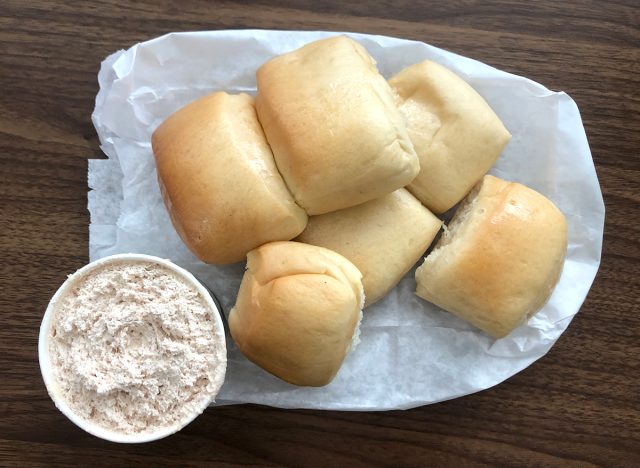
<point>297,311</point>
<point>500,264</point>
<point>384,238</point>
<point>330,118</point>
<point>219,180</point>
<point>455,133</point>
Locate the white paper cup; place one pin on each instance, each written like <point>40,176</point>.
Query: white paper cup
<point>47,369</point>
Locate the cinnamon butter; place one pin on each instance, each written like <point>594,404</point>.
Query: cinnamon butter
<point>132,348</point>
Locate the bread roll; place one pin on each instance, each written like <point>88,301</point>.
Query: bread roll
<point>454,131</point>
<point>499,260</point>
<point>219,181</point>
<point>383,238</point>
<point>331,120</point>
<point>298,311</point>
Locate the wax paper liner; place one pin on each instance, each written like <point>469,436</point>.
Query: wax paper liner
<point>411,353</point>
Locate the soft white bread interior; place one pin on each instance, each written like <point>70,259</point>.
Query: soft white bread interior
<point>337,136</point>
<point>298,311</point>
<point>500,258</point>
<point>384,238</point>
<point>455,133</point>
<point>219,180</point>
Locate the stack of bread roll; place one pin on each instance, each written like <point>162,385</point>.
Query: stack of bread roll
<point>327,184</point>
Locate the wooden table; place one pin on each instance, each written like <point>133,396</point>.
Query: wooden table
<point>578,406</point>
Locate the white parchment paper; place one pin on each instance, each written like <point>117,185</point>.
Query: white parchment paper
<point>411,353</point>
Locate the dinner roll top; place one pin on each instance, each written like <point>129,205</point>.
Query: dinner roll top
<point>500,259</point>
<point>298,311</point>
<point>455,133</point>
<point>219,181</point>
<point>330,118</point>
<point>383,238</point>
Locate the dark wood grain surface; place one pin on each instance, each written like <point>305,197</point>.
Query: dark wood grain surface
<point>577,406</point>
